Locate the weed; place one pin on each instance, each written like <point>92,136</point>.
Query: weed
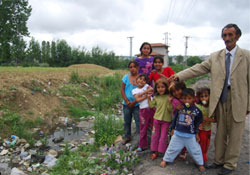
<point>75,78</point>
<point>76,112</point>
<point>13,124</point>
<point>107,128</point>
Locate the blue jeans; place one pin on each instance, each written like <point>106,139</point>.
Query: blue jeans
<point>177,143</point>
<point>128,113</point>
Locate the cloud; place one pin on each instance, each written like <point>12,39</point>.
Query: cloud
<point>75,16</point>
<point>214,13</point>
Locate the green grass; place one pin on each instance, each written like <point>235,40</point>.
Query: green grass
<point>107,128</point>
<point>13,124</point>
<point>77,112</point>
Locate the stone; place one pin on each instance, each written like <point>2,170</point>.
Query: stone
<point>26,146</point>
<point>4,152</point>
<point>49,161</point>
<point>53,153</point>
<point>16,171</point>
<point>38,143</point>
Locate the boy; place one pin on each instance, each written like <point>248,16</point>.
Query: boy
<point>185,131</point>
<point>145,113</point>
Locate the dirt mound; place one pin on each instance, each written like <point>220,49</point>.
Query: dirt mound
<point>89,66</point>
<point>35,91</point>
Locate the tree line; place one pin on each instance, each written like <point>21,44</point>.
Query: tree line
<point>60,54</point>
<point>14,50</point>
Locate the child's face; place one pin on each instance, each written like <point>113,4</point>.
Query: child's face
<point>158,64</point>
<point>146,50</point>
<point>188,100</point>
<point>133,69</point>
<point>161,88</point>
<point>204,98</point>
<point>177,93</point>
<point>141,81</point>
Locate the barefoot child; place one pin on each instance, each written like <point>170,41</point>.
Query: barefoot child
<point>145,113</point>
<point>130,107</point>
<point>185,131</point>
<point>162,117</point>
<point>206,125</point>
<point>176,88</point>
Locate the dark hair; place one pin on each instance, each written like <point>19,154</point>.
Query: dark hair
<point>160,58</point>
<point>143,75</point>
<point>188,91</point>
<point>146,43</point>
<point>201,91</point>
<point>163,81</point>
<point>237,29</point>
<point>135,62</point>
<point>175,85</point>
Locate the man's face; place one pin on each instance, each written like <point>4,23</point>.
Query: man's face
<point>230,38</point>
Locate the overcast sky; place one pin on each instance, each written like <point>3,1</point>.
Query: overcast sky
<point>109,23</point>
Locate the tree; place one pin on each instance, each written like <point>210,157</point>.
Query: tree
<point>193,60</point>
<point>14,15</point>
<point>179,59</point>
<point>34,51</point>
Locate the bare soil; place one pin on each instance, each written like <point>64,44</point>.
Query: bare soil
<point>34,92</point>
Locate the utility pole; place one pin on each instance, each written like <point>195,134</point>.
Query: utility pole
<point>131,42</point>
<point>186,47</point>
<point>166,37</point>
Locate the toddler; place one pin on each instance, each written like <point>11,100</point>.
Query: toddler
<point>185,131</point>
<point>206,125</point>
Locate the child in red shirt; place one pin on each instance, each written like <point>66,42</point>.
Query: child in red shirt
<point>159,71</point>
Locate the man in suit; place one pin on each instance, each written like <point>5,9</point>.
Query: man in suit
<point>229,98</point>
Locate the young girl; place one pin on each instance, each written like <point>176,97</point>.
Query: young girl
<point>206,125</point>
<point>159,71</point>
<point>145,113</point>
<point>176,88</point>
<point>162,117</point>
<point>130,107</point>
<point>145,61</point>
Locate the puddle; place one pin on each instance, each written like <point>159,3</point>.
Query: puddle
<point>68,134</point>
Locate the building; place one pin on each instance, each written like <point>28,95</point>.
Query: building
<point>159,49</point>
<point>162,50</point>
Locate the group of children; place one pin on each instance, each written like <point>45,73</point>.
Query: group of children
<point>169,106</point>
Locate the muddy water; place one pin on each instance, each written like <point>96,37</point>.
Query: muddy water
<point>67,134</point>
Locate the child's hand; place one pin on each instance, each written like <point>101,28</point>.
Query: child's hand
<point>153,71</point>
<point>149,89</point>
<point>172,132</point>
<point>178,107</point>
<point>197,137</point>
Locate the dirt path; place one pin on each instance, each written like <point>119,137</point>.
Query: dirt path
<point>187,167</point>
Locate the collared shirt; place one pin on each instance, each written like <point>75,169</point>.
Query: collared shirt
<point>232,52</point>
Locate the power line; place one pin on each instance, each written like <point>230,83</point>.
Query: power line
<point>169,10</point>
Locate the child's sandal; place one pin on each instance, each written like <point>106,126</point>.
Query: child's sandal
<point>154,156</point>
<point>139,149</point>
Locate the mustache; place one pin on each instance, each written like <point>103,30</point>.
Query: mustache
<point>227,41</point>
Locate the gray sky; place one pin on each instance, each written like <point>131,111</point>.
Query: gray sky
<point>108,23</point>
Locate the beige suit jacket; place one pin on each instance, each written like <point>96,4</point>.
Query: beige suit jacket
<point>239,78</point>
